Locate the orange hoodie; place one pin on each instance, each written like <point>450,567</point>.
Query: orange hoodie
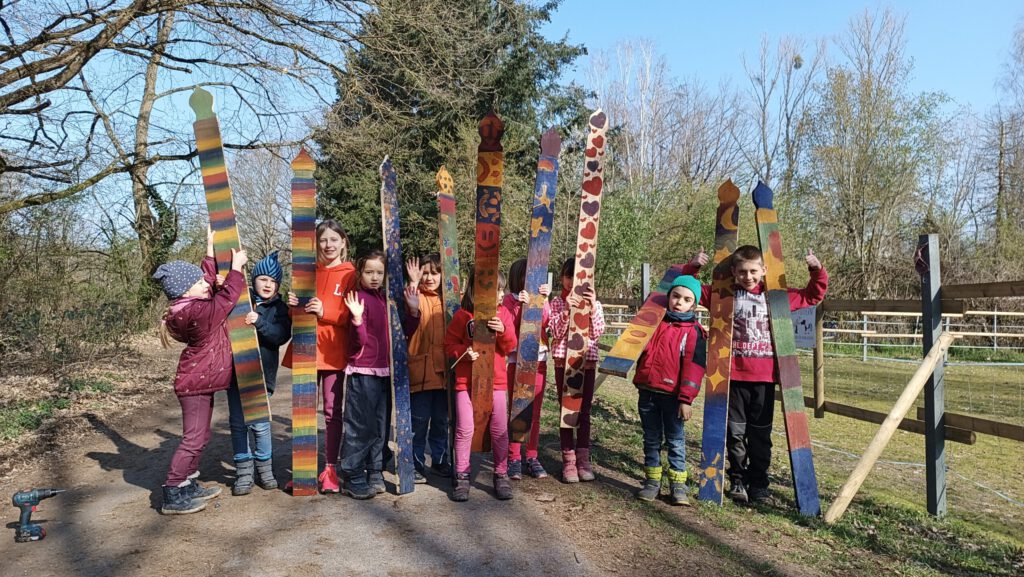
<point>426,346</point>
<point>332,330</point>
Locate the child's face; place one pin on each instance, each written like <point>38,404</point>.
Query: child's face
<point>567,283</point>
<point>372,275</point>
<point>200,289</point>
<point>748,273</point>
<point>681,300</point>
<point>265,286</point>
<point>330,245</point>
<point>431,278</point>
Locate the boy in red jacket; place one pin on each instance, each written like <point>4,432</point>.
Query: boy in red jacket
<point>668,377</point>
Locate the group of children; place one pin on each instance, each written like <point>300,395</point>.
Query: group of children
<point>353,372</point>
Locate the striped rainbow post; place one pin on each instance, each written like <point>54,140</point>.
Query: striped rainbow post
<point>244,347</point>
<point>304,389</point>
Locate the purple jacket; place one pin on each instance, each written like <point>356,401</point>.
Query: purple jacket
<point>369,347</point>
<point>206,364</point>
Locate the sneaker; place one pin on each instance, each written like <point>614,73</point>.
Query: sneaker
<point>650,490</point>
<point>375,479</point>
<point>515,470</point>
<point>328,479</point>
<point>738,492</point>
<point>679,494</point>
<point>178,502</point>
<point>360,491</point>
<point>759,495</point>
<point>201,493</point>
<point>442,469</point>
<point>502,487</point>
<point>535,469</point>
<point>461,491</point>
<point>418,478</point>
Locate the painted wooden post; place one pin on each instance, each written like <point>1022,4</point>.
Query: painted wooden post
<point>934,392</point>
<point>645,281</point>
<point>819,362</point>
<point>864,340</point>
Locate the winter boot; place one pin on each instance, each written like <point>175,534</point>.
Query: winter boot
<point>738,491</point>
<point>652,484</point>
<point>569,472</point>
<point>265,474</point>
<point>199,492</point>
<point>461,491</point>
<point>375,479</point>
<point>583,465</point>
<point>178,502</point>
<point>328,480</point>
<point>679,489</point>
<point>502,487</point>
<point>243,478</point>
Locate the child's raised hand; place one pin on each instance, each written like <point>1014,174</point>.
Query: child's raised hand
<point>314,306</point>
<point>412,300</point>
<point>220,280</point>
<point>293,301</point>
<point>524,297</point>
<point>473,355</point>
<point>496,325</point>
<point>700,259</point>
<point>238,259</point>
<point>812,261</point>
<point>413,271</point>
<point>355,306</point>
<point>685,411</point>
<point>209,241</point>
<point>544,290</point>
<point>251,317</point>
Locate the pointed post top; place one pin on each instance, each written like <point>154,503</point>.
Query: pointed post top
<point>444,181</point>
<point>763,196</point>
<point>598,119</point>
<point>303,161</point>
<point>550,143</point>
<point>201,102</point>
<point>728,192</point>
<point>385,167</point>
<point>491,130</point>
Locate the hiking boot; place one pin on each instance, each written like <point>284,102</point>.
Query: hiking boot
<point>418,478</point>
<point>569,472</point>
<point>178,502</point>
<point>502,487</point>
<point>738,491</point>
<point>328,480</point>
<point>375,479</point>
<point>243,478</point>
<point>359,489</point>
<point>442,469</point>
<point>535,469</point>
<point>265,475</point>
<point>198,492</point>
<point>515,470</point>
<point>678,487</point>
<point>583,465</point>
<point>759,495</point>
<point>461,491</point>
<point>652,484</point>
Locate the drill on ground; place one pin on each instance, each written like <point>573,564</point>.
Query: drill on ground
<point>27,501</point>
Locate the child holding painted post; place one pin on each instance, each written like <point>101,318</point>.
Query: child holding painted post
<point>458,344</point>
<point>575,444</point>
<point>427,384</point>
<point>335,276</point>
<point>273,324</point>
<point>368,375</point>
<point>197,316</point>
<point>754,369</point>
<point>668,376</point>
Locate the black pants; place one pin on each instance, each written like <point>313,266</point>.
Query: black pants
<point>749,440</point>
<point>366,422</point>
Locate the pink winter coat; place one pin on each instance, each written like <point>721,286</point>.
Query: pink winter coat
<point>206,364</point>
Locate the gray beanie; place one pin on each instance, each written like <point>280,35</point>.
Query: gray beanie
<point>176,277</point>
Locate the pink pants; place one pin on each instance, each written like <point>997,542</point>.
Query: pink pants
<point>464,431</point>
<point>332,384</point>
<point>196,412</point>
<point>514,449</point>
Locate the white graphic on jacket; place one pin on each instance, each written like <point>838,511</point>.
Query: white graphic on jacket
<point>751,337</point>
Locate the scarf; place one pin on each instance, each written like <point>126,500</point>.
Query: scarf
<point>674,317</point>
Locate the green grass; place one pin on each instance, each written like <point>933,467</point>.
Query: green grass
<point>96,385</point>
<point>22,417</point>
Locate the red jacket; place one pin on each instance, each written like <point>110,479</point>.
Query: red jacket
<point>332,331</point>
<point>206,365</point>
<point>459,337</point>
<point>674,360</point>
<point>515,308</point>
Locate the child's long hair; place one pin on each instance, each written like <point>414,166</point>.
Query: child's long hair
<point>467,296</point>
<point>372,255</point>
<point>332,224</point>
<point>166,336</point>
<point>569,267</point>
<point>517,277</point>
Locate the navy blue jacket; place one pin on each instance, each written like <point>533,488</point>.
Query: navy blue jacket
<point>273,329</point>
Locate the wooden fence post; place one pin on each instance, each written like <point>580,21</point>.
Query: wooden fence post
<point>934,393</point>
<point>819,362</point>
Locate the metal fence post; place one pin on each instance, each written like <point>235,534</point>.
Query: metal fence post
<point>934,393</point>
<point>864,340</point>
<point>645,280</point>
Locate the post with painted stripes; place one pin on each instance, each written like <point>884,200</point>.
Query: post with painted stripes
<point>927,264</point>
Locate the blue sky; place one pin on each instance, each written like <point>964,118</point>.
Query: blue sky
<point>959,48</point>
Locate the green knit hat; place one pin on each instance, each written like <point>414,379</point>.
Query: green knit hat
<point>688,282</point>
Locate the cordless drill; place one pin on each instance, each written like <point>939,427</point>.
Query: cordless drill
<point>27,502</point>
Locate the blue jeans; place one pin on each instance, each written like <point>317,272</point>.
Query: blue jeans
<point>430,412</point>
<point>659,417</point>
<point>240,432</point>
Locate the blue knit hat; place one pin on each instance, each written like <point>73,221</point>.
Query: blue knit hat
<point>688,282</point>
<point>267,267</point>
<point>176,277</point>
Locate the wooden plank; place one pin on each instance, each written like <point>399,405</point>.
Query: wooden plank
<point>304,388</point>
<point>956,434</point>
<point>451,286</point>
<point>979,425</point>
<point>927,264</point>
<point>1013,288</point>
<point>244,346</point>
<point>490,163</point>
<point>995,313</point>
<point>819,363</point>
<point>888,306</point>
